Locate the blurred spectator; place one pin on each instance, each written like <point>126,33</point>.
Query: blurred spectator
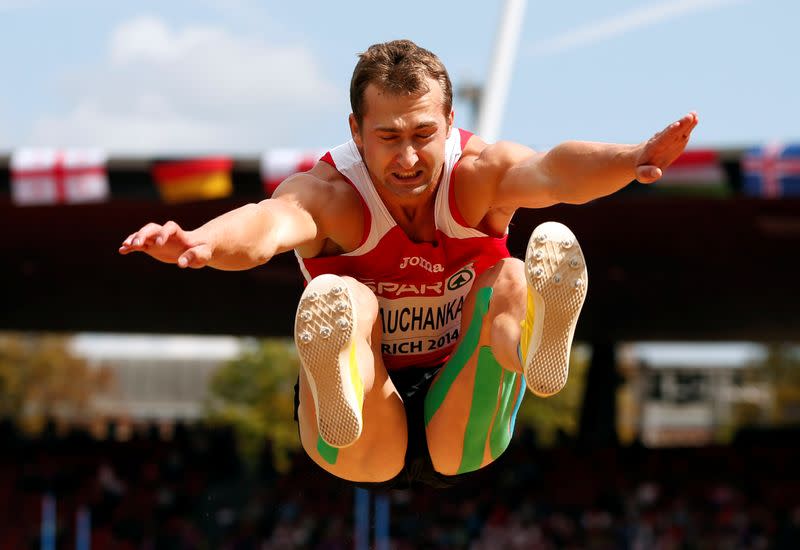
<point>190,491</point>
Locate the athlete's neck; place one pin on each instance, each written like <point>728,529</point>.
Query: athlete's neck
<point>415,218</point>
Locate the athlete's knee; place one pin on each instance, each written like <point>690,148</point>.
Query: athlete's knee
<point>490,418</point>
<point>364,465</point>
<point>365,302</point>
<point>445,458</point>
<point>506,309</point>
<point>380,466</point>
<point>507,279</point>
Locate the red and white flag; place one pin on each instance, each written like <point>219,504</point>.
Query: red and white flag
<point>695,171</point>
<point>279,164</point>
<point>52,176</point>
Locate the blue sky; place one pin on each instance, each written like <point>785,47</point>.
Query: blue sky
<point>242,76</point>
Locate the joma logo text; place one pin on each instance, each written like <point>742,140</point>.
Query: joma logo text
<point>421,262</point>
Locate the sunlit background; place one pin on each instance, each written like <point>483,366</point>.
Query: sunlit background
<point>145,439</point>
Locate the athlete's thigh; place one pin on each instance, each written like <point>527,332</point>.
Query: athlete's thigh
<point>471,406</point>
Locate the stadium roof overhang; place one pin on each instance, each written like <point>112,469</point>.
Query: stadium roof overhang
<point>661,268</point>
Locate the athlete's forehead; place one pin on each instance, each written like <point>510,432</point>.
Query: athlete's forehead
<point>388,111</point>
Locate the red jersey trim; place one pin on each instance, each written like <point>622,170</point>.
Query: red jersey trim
<point>328,158</point>
<point>451,192</point>
<point>451,199</point>
<point>465,135</point>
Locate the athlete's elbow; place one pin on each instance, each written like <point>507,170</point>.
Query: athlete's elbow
<point>565,193</point>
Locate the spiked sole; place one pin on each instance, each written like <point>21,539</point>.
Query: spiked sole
<point>324,328</point>
<point>557,282</point>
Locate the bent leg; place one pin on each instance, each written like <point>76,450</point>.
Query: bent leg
<point>345,391</point>
<point>471,407</point>
<point>518,316</point>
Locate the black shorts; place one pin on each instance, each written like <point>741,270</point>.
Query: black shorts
<point>412,384</point>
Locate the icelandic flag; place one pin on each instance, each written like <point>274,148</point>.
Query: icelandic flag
<point>279,164</point>
<point>51,176</point>
<point>772,171</point>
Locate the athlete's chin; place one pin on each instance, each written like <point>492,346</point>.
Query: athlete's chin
<point>408,190</point>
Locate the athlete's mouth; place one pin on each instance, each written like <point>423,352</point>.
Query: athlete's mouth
<point>407,176</point>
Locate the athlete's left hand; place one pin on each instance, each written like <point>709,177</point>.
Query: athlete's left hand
<point>661,150</point>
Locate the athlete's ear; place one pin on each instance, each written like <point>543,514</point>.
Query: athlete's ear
<point>355,132</point>
<point>450,120</point>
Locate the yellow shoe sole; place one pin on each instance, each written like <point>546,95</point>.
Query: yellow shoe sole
<point>555,270</point>
<point>324,331</point>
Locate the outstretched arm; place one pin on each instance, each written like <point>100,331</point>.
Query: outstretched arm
<point>242,238</point>
<point>577,172</point>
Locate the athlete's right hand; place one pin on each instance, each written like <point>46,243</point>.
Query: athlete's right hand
<point>168,243</point>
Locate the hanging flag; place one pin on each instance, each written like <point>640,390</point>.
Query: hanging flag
<point>195,179</point>
<point>695,172</point>
<point>279,164</point>
<point>772,171</point>
<point>51,176</point>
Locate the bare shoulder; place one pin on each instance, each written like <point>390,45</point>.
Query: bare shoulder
<point>492,161</point>
<point>479,172</point>
<point>331,201</point>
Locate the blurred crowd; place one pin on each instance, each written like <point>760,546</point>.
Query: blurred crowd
<point>193,491</point>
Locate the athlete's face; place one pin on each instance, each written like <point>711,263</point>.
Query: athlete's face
<point>402,139</point>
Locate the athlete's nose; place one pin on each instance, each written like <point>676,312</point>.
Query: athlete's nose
<point>407,157</point>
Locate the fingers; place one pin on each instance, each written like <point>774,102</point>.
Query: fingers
<point>169,229</point>
<point>196,257</point>
<point>683,127</point>
<point>664,147</point>
<point>149,235</point>
<point>142,238</point>
<point>648,173</point>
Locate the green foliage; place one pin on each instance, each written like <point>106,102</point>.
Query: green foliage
<point>782,367</point>
<point>255,394</point>
<point>40,379</point>
<point>560,413</point>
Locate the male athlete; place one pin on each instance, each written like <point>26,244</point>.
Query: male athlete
<point>417,332</point>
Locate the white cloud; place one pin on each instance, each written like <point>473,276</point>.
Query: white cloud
<point>150,126</point>
<point>639,18</point>
<point>192,88</point>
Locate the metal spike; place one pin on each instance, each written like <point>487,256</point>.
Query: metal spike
<point>325,332</point>
<point>306,337</point>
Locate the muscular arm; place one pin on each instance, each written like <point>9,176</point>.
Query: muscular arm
<point>576,172</point>
<point>247,236</point>
<point>251,235</point>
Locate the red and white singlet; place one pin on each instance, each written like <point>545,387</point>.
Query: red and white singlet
<point>420,286</point>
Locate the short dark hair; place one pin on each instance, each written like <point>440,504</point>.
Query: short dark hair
<point>399,67</point>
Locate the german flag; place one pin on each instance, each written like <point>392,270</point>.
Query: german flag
<point>193,180</point>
